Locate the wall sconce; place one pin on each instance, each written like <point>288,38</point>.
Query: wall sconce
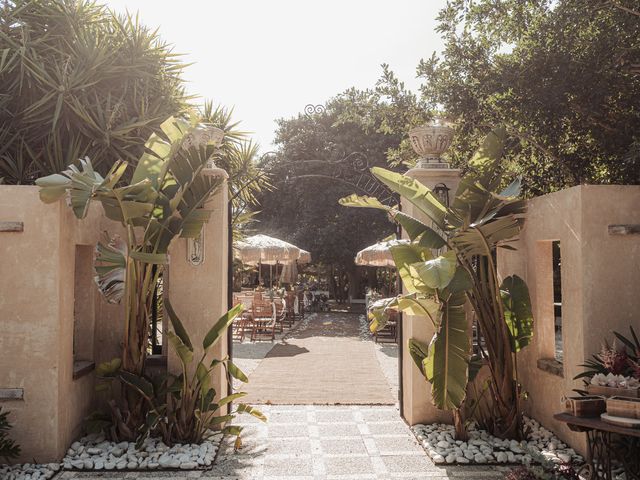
<point>441,192</point>
<point>195,249</point>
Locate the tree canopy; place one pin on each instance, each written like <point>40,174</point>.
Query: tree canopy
<point>563,76</point>
<point>318,160</point>
<point>78,80</point>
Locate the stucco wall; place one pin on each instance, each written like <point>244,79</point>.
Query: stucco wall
<point>416,391</point>
<point>37,277</point>
<point>37,271</point>
<point>199,293</point>
<point>600,277</point>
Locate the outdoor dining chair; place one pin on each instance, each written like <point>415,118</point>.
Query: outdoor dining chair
<point>263,320</point>
<point>280,306</point>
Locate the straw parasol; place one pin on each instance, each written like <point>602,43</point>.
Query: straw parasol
<point>262,249</point>
<point>265,250</point>
<point>379,254</point>
<point>305,257</point>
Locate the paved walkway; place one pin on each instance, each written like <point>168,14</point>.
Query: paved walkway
<point>314,442</point>
<point>323,362</point>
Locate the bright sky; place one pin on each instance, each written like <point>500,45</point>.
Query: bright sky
<point>268,59</point>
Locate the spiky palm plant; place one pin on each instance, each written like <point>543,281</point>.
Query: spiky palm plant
<point>78,80</point>
<point>239,157</point>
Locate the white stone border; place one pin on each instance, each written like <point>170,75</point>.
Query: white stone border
<point>94,453</point>
<point>482,448</point>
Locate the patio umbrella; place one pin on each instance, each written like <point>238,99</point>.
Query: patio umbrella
<point>305,257</point>
<point>265,250</point>
<point>290,269</point>
<point>262,249</point>
<point>379,254</point>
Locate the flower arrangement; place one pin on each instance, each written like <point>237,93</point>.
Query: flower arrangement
<point>617,365</point>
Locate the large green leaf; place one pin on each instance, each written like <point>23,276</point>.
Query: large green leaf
<point>436,272</point>
<point>236,373</point>
<point>177,325</point>
<point>254,412</point>
<point>379,313</point>
<point>110,267</point>
<point>447,365</point>
<point>360,201</point>
<point>415,192</point>
<point>213,335</point>
<point>517,311</point>
<point>419,351</point>
<point>403,257</point>
<point>419,305</point>
<point>183,351</point>
<point>141,384</point>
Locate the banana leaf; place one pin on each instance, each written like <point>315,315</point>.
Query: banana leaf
<point>517,311</point>
<point>415,192</point>
<point>447,364</point>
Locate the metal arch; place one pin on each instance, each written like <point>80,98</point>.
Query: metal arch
<point>352,170</point>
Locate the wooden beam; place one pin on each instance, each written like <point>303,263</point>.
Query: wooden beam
<point>11,393</point>
<point>630,229</point>
<point>11,226</point>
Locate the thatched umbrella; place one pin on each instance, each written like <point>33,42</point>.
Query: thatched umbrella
<point>379,254</point>
<point>305,257</point>
<point>264,250</point>
<point>290,269</point>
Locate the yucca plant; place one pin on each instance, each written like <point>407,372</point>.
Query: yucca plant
<point>182,408</point>
<point>439,282</point>
<point>78,80</point>
<point>9,449</point>
<point>164,200</point>
<point>239,157</point>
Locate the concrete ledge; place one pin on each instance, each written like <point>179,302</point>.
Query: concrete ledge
<point>11,393</point>
<point>11,226</point>
<point>552,366</point>
<point>633,229</point>
<point>82,367</point>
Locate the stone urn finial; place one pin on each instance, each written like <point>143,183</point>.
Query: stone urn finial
<point>430,141</point>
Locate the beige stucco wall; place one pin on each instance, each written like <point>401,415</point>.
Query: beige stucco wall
<point>199,293</point>
<point>37,268</point>
<point>416,392</point>
<point>600,277</point>
<point>37,276</point>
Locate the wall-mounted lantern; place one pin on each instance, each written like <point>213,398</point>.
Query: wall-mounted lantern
<point>203,135</point>
<point>441,192</point>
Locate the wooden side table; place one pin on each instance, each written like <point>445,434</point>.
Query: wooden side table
<point>607,445</point>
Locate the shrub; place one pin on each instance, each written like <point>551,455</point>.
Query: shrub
<point>8,448</point>
<point>78,80</point>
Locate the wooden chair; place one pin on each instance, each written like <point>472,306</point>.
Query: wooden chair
<point>281,313</point>
<point>263,320</point>
<point>292,304</point>
<point>390,332</point>
<point>244,323</point>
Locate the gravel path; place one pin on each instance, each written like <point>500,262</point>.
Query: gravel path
<point>312,442</point>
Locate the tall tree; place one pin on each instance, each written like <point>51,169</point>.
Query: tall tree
<point>319,158</point>
<point>562,75</point>
<point>78,80</point>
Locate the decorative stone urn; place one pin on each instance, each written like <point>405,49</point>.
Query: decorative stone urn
<point>430,142</point>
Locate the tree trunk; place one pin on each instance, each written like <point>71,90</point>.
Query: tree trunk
<point>458,423</point>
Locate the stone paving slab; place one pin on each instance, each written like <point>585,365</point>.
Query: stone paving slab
<point>303,443</point>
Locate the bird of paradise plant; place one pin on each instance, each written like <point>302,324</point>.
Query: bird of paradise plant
<point>437,285</point>
<point>165,199</point>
